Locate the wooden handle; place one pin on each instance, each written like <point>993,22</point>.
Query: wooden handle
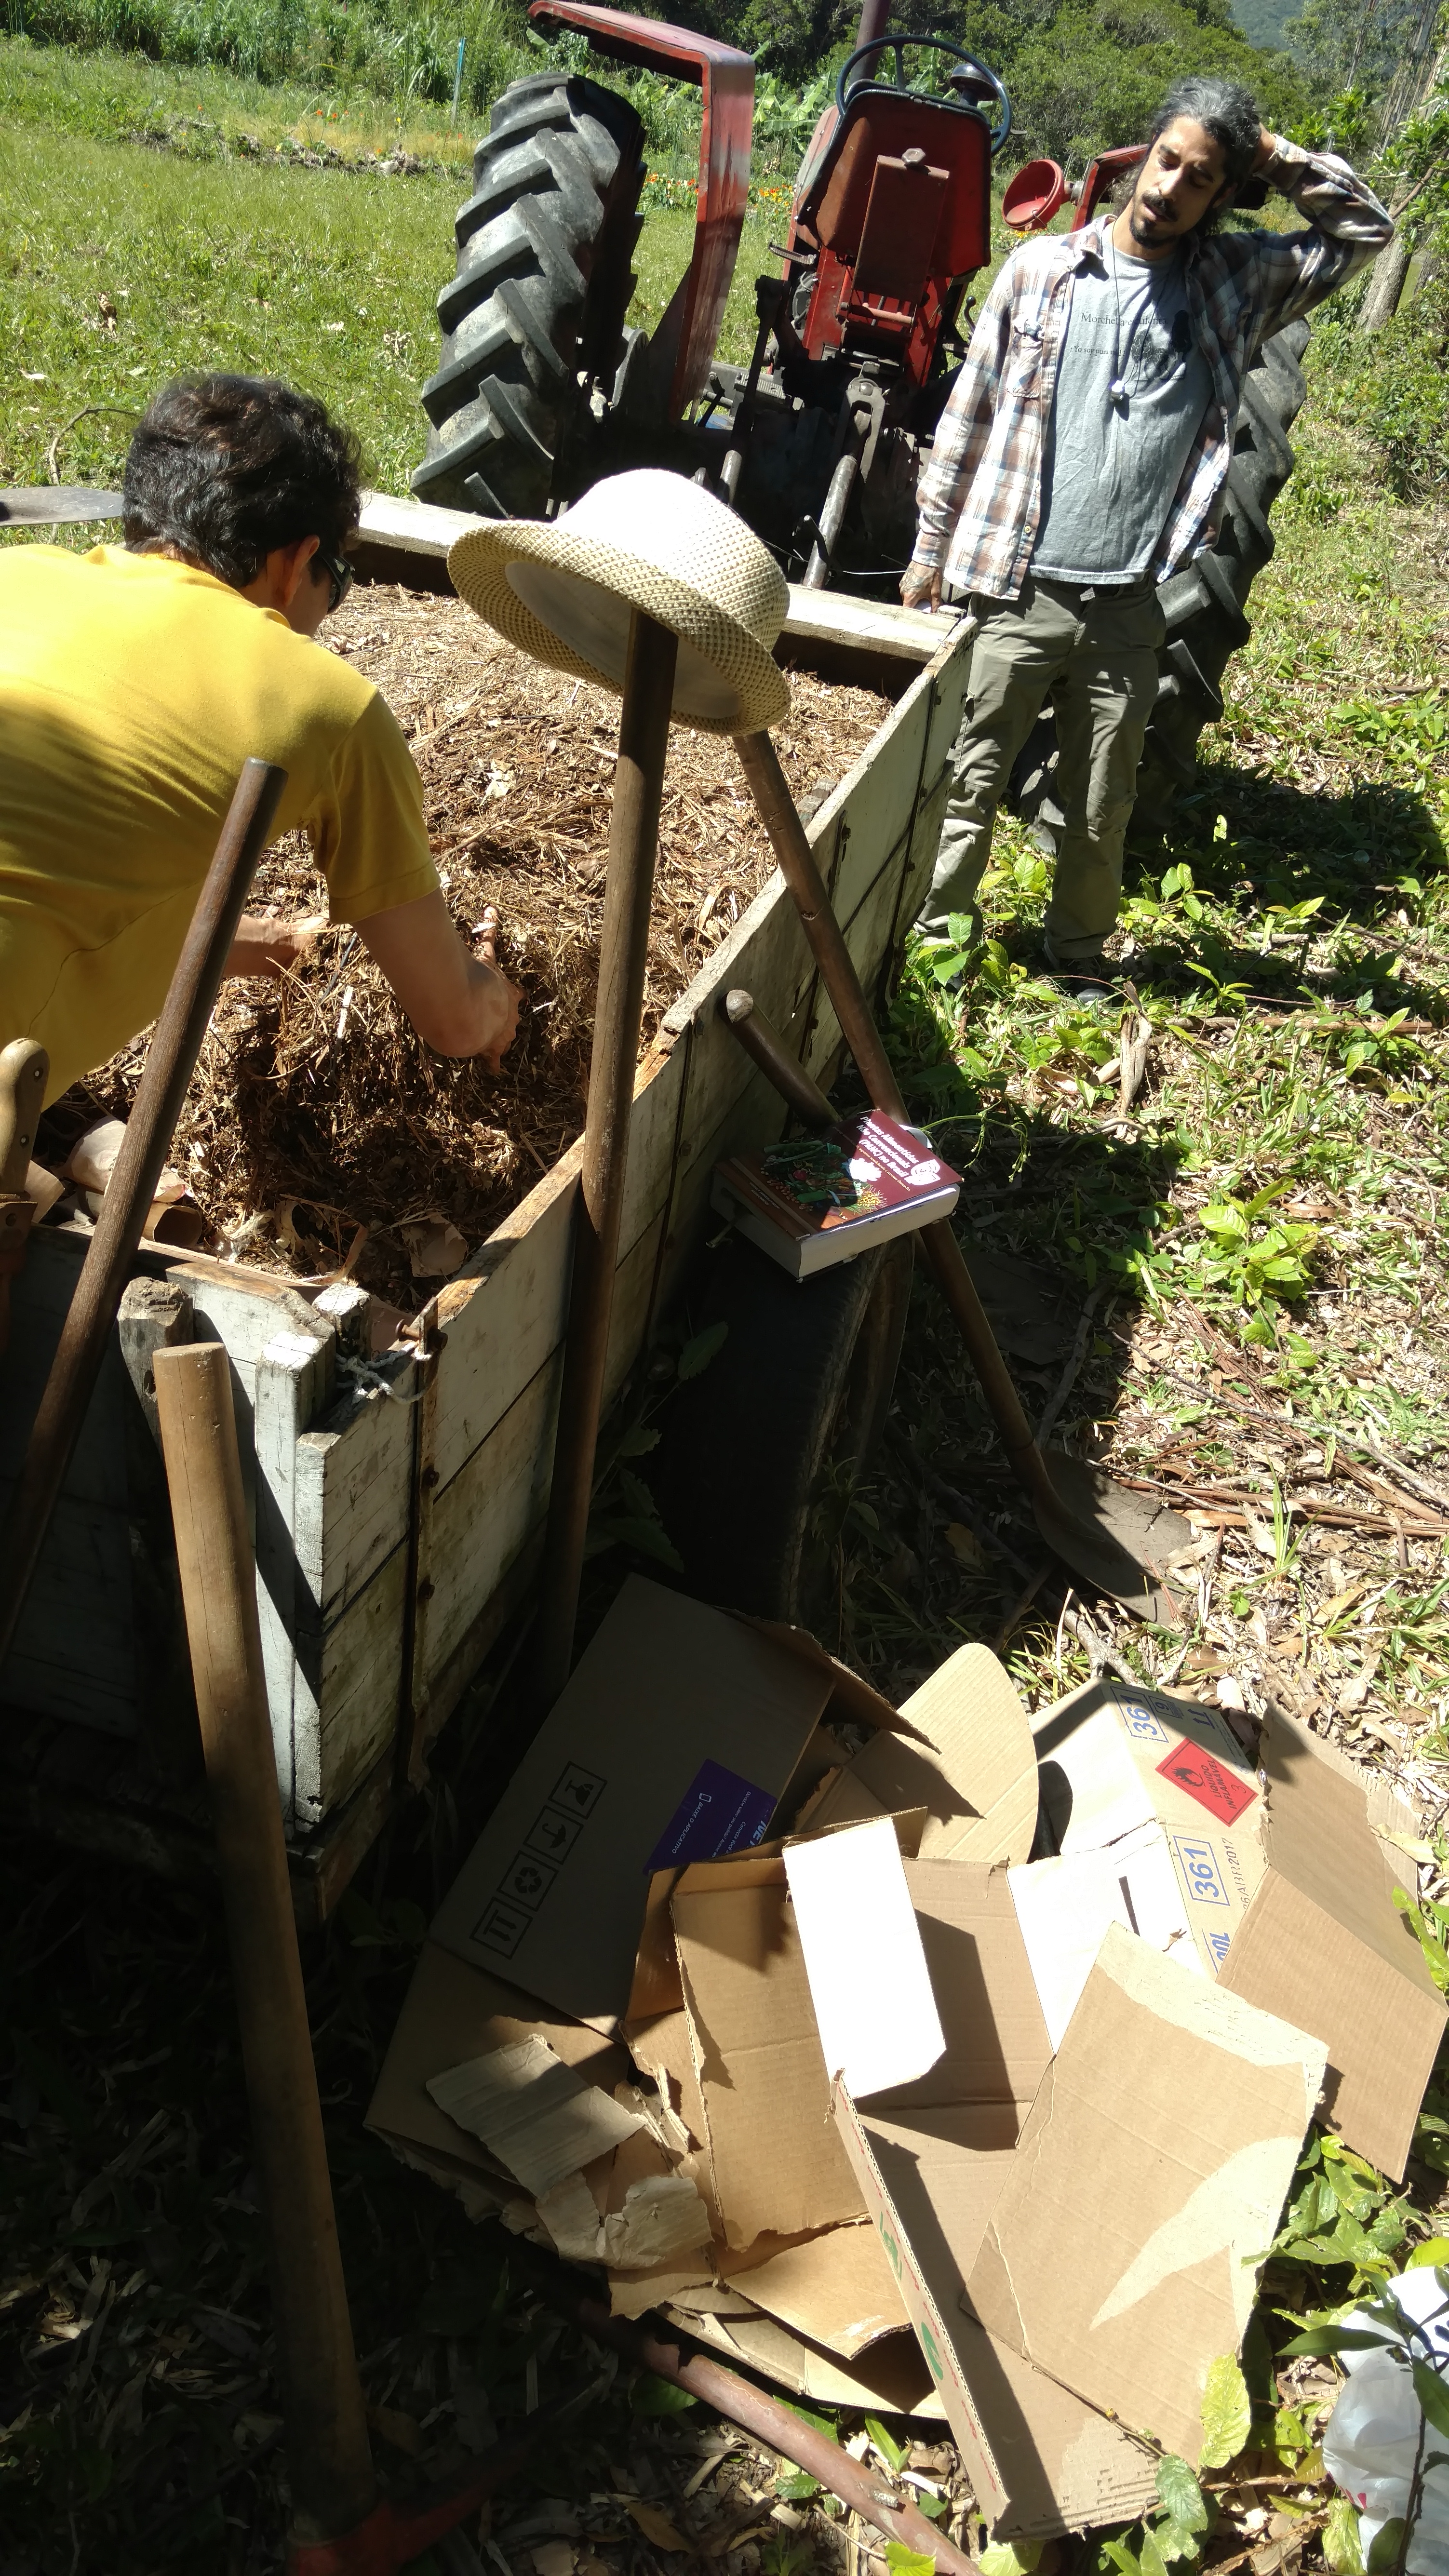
<point>623,951</point>
<point>332,2481</point>
<point>170,1063</point>
<point>765,1047</point>
<point>24,1073</point>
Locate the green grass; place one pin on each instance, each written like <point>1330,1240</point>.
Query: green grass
<point>328,278</point>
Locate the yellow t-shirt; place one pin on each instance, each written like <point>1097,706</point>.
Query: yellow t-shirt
<point>132,689</point>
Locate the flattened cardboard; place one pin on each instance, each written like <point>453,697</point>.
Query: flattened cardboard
<point>871,2030</point>
<point>931,2160</point>
<point>453,2012</point>
<point>1324,1944</point>
<point>889,2378</point>
<point>1152,2166</point>
<point>837,2289</point>
<point>554,1891</point>
<point>970,1762</point>
<point>540,2119</point>
<point>777,2161</point>
<point>1064,1907</point>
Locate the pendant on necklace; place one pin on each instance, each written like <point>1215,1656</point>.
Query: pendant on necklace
<point>1117,390</point>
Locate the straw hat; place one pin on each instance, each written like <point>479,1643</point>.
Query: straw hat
<point>563,589</point>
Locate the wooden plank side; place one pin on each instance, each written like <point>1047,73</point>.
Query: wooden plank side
<point>291,1383</point>
<point>503,1323</point>
<point>479,1522</point>
<point>354,1670</point>
<point>350,1501</point>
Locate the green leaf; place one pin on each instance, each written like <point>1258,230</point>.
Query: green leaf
<point>697,1354</point>
<point>1334,2339</point>
<point>638,1440</point>
<point>908,2562</point>
<point>1151,2559</point>
<point>1125,2560</point>
<point>1227,2413</point>
<point>1180,2494</point>
<point>651,2395</point>
<point>1432,2395</point>
<point>1434,2250</point>
<point>1339,2543</point>
<point>1383,2557</point>
<point>892,2452</point>
<point>797,2486</point>
<point>1010,2558</point>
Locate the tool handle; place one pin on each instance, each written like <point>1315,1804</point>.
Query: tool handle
<point>938,1243</point>
<point>765,1047</point>
<point>24,1073</point>
<point>170,1063</point>
<point>771,792</point>
<point>332,2482</point>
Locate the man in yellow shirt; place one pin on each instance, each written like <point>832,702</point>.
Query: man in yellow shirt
<point>134,683</point>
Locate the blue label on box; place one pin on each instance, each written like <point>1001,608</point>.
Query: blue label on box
<point>1200,1871</point>
<point>718,1813</point>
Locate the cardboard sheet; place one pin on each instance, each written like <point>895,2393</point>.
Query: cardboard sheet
<point>837,2289</point>
<point>676,1736</point>
<point>853,1913</point>
<point>1324,1944</point>
<point>1064,1907</point>
<point>777,2161</point>
<point>973,1767</point>
<point>1151,2169</point>
<point>453,2012</point>
<point>540,2120</point>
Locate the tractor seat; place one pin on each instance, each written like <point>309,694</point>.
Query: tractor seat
<point>940,148</point>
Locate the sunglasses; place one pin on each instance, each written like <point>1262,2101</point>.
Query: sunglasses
<point>340,573</point>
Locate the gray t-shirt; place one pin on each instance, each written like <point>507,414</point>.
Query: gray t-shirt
<point>1110,468</point>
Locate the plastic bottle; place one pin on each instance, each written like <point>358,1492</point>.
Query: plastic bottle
<point>1371,2436</point>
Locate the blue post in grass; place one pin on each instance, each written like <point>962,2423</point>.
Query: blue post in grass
<point>458,79</point>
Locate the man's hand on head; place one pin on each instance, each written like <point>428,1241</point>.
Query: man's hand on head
<point>1267,146</point>
<point>921,586</point>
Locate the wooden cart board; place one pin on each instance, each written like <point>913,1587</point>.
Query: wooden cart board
<point>400,1496</point>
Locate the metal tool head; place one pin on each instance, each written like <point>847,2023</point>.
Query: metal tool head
<point>1113,1539</point>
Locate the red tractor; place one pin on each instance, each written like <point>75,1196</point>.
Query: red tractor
<point>544,387</point>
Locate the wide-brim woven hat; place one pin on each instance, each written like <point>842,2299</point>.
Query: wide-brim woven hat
<point>564,589</point>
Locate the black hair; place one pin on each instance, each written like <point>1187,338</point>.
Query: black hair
<point>223,469</point>
<point>1224,110</point>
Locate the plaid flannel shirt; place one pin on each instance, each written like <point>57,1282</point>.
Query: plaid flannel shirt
<point>980,494</point>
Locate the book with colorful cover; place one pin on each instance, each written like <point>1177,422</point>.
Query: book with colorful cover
<point>817,1200</point>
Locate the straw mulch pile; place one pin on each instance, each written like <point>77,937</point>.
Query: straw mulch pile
<point>314,1109</point>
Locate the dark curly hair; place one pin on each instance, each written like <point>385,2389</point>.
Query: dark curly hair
<point>225,468</point>
<point>1224,110</point>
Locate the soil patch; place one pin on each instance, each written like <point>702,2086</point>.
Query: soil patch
<point>315,1109</point>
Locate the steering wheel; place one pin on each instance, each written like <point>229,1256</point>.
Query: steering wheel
<point>899,46</point>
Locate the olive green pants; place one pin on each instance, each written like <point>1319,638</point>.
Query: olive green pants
<point>1095,655</point>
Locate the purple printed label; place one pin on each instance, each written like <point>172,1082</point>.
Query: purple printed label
<point>718,1813</point>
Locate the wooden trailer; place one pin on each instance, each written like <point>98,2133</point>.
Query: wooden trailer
<point>400,1494</point>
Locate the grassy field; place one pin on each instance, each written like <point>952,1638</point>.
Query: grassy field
<point>124,264</point>
<point>1258,1239</point>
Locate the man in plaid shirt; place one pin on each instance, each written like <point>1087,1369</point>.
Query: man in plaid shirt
<point>1080,461</point>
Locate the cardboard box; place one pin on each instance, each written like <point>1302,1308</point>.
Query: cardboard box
<point>1276,1881</point>
<point>676,1738</point>
<point>1068,2231</point>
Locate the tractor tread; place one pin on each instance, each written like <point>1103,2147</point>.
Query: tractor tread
<point>544,246</point>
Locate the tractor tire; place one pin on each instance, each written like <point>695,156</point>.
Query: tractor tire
<point>1204,606</point>
<point>543,283</point>
<point>771,1438</point>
